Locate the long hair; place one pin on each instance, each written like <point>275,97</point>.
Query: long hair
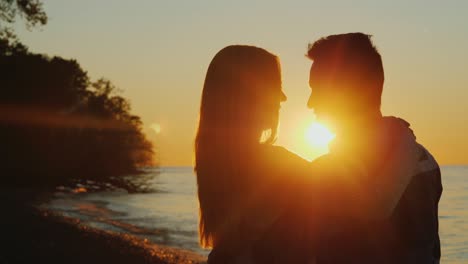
<point>236,111</point>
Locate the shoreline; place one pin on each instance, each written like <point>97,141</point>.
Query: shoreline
<point>41,235</point>
<point>115,212</point>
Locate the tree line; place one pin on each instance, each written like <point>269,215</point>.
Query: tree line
<point>57,126</point>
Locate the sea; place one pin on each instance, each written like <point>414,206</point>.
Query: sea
<point>169,214</point>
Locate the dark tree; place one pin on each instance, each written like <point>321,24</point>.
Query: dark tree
<point>57,127</point>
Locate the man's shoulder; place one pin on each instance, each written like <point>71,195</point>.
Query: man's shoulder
<point>426,161</point>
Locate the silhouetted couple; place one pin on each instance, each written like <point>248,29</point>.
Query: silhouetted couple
<point>372,199</point>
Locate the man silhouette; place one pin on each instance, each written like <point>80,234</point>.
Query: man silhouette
<point>346,79</point>
<point>359,206</point>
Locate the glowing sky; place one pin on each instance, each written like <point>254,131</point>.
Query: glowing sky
<point>158,53</point>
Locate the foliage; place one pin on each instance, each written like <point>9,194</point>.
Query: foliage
<point>57,126</point>
<point>31,11</point>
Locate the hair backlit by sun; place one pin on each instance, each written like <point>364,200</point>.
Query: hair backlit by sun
<point>318,135</point>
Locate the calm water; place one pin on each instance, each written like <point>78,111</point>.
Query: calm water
<point>169,215</point>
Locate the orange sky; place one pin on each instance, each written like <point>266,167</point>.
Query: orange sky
<point>158,52</point>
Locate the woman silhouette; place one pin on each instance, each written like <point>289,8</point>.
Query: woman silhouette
<point>238,122</point>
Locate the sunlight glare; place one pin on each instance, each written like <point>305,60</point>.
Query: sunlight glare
<point>156,128</point>
<point>318,135</point>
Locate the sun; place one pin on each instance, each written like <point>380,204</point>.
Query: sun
<point>318,135</point>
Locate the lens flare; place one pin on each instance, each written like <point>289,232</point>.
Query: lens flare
<point>156,128</point>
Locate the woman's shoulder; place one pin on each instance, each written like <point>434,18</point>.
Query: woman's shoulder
<point>281,154</point>
<point>281,160</point>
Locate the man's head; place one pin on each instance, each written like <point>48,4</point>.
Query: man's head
<point>346,78</point>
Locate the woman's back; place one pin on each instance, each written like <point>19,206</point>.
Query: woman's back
<point>271,188</point>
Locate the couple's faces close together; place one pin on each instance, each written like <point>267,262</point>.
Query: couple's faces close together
<point>243,93</point>
<point>326,98</point>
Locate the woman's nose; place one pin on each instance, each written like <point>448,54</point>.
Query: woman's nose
<point>283,97</point>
